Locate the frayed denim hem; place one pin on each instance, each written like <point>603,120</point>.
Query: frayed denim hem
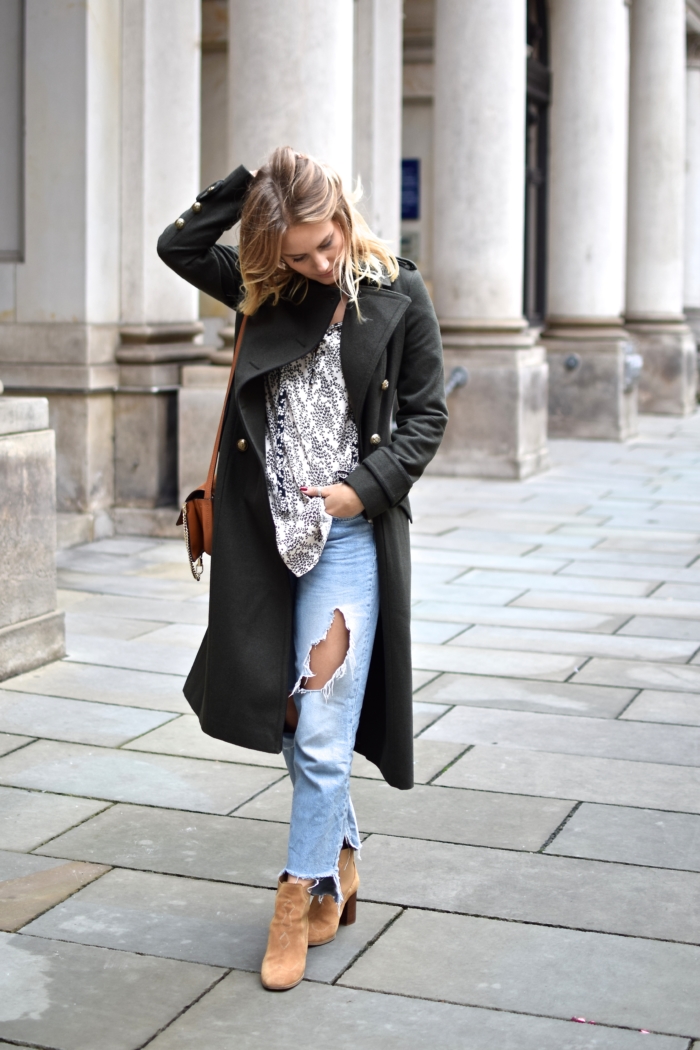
<point>323,885</point>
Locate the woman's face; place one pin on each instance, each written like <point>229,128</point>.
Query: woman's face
<point>312,249</point>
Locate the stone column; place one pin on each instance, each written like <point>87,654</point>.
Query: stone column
<point>691,293</point>
<point>498,421</point>
<point>291,80</point>
<point>160,121</point>
<point>62,321</point>
<point>592,392</point>
<point>377,116</point>
<point>655,215</point>
<point>31,629</point>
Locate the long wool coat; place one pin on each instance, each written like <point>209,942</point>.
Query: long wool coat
<point>238,683</point>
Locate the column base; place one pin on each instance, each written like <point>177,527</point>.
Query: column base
<point>592,381</point>
<point>669,380</point>
<point>31,643</point>
<point>498,420</point>
<point>692,316</point>
<point>145,411</point>
<point>31,630</point>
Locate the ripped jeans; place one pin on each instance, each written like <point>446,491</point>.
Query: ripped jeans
<point>319,753</point>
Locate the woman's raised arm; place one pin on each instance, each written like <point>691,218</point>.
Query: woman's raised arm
<point>188,246</point>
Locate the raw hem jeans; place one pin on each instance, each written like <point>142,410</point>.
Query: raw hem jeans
<point>319,753</point>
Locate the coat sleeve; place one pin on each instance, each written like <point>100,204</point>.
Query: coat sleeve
<point>188,246</point>
<point>386,475</point>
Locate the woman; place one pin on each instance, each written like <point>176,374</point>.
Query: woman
<point>308,645</point>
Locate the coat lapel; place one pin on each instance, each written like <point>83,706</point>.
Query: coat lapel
<point>277,335</point>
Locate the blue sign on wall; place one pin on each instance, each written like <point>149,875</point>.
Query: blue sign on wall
<point>410,188</point>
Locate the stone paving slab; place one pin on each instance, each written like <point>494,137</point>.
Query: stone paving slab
<point>10,742</point>
<point>128,586</point>
<point>662,627</point>
<point>427,590</point>
<point>228,849</point>
<point>430,757</point>
<point>188,635</point>
<point>149,609</point>
<point>652,606</point>
<point>442,814</point>
<point>569,734</point>
<point>79,721</point>
<point>78,623</point>
<point>123,776</point>
<point>196,921</point>
<point>654,705</point>
<point>605,780</point>
<point>537,970</point>
<point>109,685</point>
<point>570,585</point>
<point>575,642</point>
<point>184,737</point>
<point>642,675</point>
<point>615,556</point>
<point>461,660</point>
<point>424,714</point>
<point>533,887</point>
<point>71,997</point>
<point>28,818</point>
<point>22,899</point>
<point>238,1012</point>
<point>433,632</point>
<point>454,549</point>
<point>683,592</point>
<point>626,571</point>
<point>18,865</point>
<point>509,616</point>
<point>524,695</point>
<point>138,655</point>
<point>631,836</point>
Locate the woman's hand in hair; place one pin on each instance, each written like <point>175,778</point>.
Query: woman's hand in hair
<point>341,501</point>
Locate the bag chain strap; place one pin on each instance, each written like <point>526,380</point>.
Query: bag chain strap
<point>196,567</point>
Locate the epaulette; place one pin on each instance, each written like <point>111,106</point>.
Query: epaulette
<point>406,263</point>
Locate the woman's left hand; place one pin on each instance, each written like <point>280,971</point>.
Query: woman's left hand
<point>341,501</point>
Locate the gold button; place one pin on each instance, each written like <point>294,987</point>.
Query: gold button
<point>385,384</point>
<point>179,223</point>
<point>196,206</point>
<point>211,187</point>
<point>242,444</point>
<point>375,439</point>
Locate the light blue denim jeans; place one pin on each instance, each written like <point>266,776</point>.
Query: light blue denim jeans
<point>319,753</point>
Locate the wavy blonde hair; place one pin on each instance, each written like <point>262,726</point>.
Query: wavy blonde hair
<point>289,190</point>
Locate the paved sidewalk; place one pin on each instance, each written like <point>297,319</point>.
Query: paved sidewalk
<point>545,870</point>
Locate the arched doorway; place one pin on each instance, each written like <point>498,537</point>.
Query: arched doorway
<point>536,147</point>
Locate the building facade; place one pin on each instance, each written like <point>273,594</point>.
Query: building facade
<point>538,159</point>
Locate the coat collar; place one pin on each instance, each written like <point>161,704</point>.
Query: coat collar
<point>277,335</point>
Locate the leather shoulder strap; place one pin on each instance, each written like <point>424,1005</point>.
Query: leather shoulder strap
<point>209,484</point>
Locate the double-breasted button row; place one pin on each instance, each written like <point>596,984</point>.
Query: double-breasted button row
<point>242,444</point>
<point>179,223</point>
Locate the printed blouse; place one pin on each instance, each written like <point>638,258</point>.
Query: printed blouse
<point>311,440</point>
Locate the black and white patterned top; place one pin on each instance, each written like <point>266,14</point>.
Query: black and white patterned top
<point>311,440</point>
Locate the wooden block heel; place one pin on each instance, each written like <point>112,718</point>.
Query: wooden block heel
<point>349,911</point>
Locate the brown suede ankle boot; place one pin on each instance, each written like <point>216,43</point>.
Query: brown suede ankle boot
<point>285,959</point>
<point>324,917</point>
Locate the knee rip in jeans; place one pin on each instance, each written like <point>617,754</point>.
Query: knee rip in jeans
<point>339,620</point>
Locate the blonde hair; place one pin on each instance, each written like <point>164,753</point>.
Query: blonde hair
<point>289,190</point>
